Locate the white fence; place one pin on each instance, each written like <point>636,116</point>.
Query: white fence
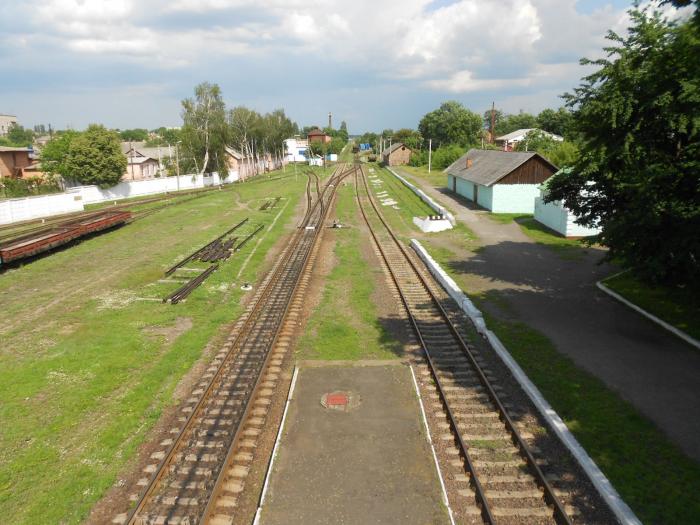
<point>74,199</point>
<point>25,208</point>
<point>129,189</point>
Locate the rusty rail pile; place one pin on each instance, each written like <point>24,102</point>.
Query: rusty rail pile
<point>201,250</point>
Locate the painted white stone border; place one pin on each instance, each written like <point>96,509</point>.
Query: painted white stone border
<point>621,510</point>
<point>445,499</point>
<point>675,331</point>
<point>258,512</point>
<point>441,210</point>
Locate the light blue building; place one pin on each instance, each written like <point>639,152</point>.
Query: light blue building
<point>500,181</point>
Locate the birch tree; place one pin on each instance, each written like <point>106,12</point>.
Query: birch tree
<point>204,130</point>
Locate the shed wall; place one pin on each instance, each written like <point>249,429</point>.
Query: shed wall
<point>486,196</point>
<point>560,219</point>
<point>533,171</point>
<point>513,198</point>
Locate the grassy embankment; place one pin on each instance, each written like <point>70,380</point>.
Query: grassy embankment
<point>679,307</point>
<point>91,357</point>
<point>345,324</point>
<point>650,472</point>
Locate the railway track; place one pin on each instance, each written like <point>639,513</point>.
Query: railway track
<point>505,480</point>
<point>191,480</point>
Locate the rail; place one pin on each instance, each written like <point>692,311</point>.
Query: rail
<point>487,514</point>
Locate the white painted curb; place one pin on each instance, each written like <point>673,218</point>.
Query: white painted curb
<point>675,331</point>
<point>445,499</point>
<point>441,210</point>
<point>621,510</point>
<point>256,520</point>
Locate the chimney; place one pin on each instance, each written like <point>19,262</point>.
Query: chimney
<point>469,163</point>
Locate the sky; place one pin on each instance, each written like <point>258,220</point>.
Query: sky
<point>374,64</point>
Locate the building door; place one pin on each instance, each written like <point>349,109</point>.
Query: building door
<point>454,184</point>
<point>476,193</point>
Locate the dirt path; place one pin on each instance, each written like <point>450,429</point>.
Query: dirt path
<point>557,296</point>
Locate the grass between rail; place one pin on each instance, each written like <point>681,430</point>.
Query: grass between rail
<point>679,307</point>
<point>652,474</point>
<point>345,324</point>
<point>90,357</point>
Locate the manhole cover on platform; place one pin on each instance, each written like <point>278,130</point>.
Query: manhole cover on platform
<point>340,400</point>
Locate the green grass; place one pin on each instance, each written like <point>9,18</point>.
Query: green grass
<point>86,368</point>
<point>436,177</point>
<point>345,325</point>
<point>679,307</point>
<point>507,218</point>
<point>409,204</point>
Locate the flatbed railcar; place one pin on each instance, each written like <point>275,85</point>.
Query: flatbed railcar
<point>33,244</point>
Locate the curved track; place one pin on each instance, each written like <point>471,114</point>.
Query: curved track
<point>505,479</point>
<point>189,473</point>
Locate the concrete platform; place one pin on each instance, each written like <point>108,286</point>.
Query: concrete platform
<point>368,464</point>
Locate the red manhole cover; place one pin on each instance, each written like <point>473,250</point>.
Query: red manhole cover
<point>342,401</point>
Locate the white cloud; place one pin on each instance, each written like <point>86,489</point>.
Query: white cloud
<point>517,48</point>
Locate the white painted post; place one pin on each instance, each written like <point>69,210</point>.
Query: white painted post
<point>430,153</point>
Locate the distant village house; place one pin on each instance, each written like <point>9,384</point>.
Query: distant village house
<point>6,123</point>
<point>317,135</point>
<point>397,154</point>
<point>509,141</point>
<point>13,161</point>
<point>500,181</point>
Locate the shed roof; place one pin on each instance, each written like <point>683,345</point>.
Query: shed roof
<point>234,153</point>
<point>315,132</point>
<point>490,166</point>
<point>388,151</point>
<point>141,160</point>
<point>14,149</point>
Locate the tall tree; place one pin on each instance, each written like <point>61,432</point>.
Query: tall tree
<point>638,117</point>
<point>136,135</point>
<point>558,122</point>
<point>54,154</point>
<point>451,123</point>
<point>95,157</point>
<point>204,130</point>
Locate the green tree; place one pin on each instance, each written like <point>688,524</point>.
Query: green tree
<point>19,136</point>
<point>54,155</point>
<point>446,155</point>
<point>204,131</point>
<point>451,123</point>
<point>558,122</point>
<point>510,123</point>
<point>638,117</point>
<point>410,137</point>
<point>559,153</point>
<point>135,135</point>
<point>95,157</point>
<point>343,131</point>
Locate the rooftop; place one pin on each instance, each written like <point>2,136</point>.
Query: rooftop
<point>490,166</point>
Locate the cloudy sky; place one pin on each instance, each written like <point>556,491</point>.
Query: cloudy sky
<point>374,63</point>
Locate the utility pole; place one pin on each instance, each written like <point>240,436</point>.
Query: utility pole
<point>177,164</point>
<point>430,153</point>
<point>493,122</point>
<point>131,156</point>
